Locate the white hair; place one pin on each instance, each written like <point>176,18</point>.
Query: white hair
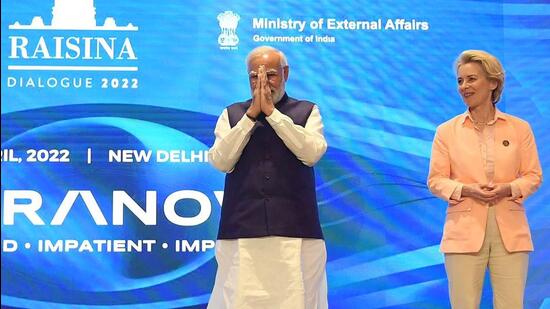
<point>263,49</point>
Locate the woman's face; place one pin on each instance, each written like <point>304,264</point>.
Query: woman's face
<point>473,85</point>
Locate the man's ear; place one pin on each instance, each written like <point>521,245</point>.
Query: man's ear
<point>285,72</point>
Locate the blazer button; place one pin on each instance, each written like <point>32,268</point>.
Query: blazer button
<point>267,177</point>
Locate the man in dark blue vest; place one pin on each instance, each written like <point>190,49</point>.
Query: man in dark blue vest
<point>270,249</point>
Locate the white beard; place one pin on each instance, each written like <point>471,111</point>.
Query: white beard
<point>277,94</point>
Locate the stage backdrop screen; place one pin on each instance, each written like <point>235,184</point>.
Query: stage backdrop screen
<point>109,108</point>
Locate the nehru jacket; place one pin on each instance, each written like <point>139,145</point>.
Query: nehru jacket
<point>270,191</point>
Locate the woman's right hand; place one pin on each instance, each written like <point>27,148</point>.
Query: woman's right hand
<point>479,192</point>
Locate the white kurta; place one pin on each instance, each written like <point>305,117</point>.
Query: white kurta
<point>269,272</point>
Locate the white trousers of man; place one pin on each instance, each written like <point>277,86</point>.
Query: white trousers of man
<point>270,272</point>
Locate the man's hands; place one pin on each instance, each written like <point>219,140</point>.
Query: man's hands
<point>488,193</point>
<point>262,100</point>
<point>265,93</point>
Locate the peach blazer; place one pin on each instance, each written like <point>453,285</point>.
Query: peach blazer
<point>456,160</point>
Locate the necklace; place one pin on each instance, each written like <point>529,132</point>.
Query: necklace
<point>481,122</point>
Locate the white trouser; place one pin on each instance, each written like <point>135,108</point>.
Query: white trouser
<point>270,272</point>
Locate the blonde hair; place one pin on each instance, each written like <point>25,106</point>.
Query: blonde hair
<point>491,66</point>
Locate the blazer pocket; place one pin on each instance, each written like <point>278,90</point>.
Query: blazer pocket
<point>463,206</point>
<point>515,206</point>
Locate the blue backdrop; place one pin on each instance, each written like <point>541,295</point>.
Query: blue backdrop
<point>122,75</point>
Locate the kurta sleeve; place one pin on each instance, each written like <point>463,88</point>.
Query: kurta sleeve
<point>307,143</point>
<point>230,142</point>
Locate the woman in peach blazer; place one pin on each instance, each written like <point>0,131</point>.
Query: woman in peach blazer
<point>485,164</point>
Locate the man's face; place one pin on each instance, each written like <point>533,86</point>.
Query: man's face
<point>276,74</point>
